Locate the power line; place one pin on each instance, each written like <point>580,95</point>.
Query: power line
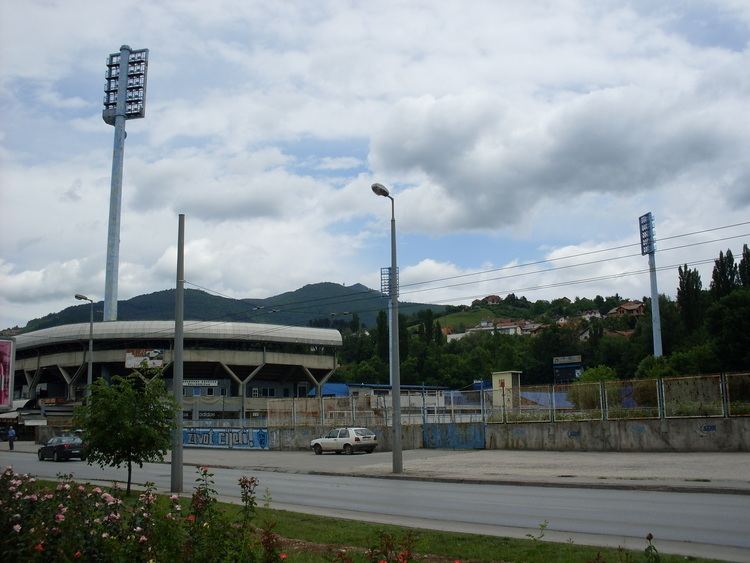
<point>348,300</point>
<point>279,306</point>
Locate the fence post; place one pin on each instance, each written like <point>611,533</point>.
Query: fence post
<point>552,402</point>
<point>603,403</point>
<point>294,413</point>
<point>504,417</point>
<point>724,386</point>
<point>453,414</point>
<point>424,407</point>
<point>660,398</point>
<point>351,409</point>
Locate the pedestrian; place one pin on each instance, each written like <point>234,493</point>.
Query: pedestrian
<point>11,437</point>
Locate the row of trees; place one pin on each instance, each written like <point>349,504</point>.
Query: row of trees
<point>703,331</point>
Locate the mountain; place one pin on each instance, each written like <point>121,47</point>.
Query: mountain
<point>312,302</point>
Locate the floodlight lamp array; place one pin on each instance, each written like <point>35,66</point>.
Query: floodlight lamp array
<point>646,228</point>
<point>137,70</point>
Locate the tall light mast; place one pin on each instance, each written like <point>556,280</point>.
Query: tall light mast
<point>124,98</point>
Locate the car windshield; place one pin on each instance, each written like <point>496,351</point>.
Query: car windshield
<point>70,440</point>
<point>363,432</point>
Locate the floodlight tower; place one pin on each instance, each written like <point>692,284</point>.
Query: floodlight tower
<point>648,246</point>
<point>124,98</point>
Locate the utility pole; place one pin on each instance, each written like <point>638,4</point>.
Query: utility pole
<point>648,246</point>
<point>177,472</point>
<point>124,98</point>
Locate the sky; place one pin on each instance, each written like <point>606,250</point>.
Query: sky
<point>508,133</point>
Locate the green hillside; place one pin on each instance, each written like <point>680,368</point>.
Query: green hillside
<point>313,302</point>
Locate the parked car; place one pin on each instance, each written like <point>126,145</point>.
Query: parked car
<point>62,448</point>
<point>347,440</point>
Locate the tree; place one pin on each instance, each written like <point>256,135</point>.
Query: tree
<point>355,323</point>
<point>598,373</point>
<point>689,297</point>
<point>724,277</point>
<point>382,342</point>
<point>128,421</point>
<point>728,323</point>
<point>744,268</point>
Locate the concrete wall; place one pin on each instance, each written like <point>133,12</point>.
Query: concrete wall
<point>670,435</point>
<point>299,438</point>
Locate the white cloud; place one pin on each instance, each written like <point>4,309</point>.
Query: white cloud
<point>540,129</point>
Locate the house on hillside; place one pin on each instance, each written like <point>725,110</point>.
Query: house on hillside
<point>588,315</point>
<point>628,309</point>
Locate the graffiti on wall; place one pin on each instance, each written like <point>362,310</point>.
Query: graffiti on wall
<point>228,438</point>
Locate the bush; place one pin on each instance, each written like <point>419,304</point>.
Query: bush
<point>599,373</point>
<point>75,521</point>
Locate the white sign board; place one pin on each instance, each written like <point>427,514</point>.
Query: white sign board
<point>135,358</point>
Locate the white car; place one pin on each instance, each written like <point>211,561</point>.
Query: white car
<point>347,440</point>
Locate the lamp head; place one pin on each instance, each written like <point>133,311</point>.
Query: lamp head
<point>81,297</point>
<point>380,189</point>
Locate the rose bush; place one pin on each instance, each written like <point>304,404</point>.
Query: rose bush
<point>81,522</point>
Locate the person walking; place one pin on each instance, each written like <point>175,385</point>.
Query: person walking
<point>11,437</point>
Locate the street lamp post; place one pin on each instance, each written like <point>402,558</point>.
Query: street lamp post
<point>90,375</point>
<point>398,467</point>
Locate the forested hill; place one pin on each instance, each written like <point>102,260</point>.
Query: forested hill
<point>319,304</point>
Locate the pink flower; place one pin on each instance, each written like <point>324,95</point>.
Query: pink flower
<point>283,556</point>
<point>39,547</point>
<point>77,554</point>
<point>190,518</point>
<point>97,490</point>
<point>17,528</point>
<point>59,517</point>
<point>174,497</point>
<point>143,539</point>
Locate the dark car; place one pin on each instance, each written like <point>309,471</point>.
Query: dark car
<point>62,448</point>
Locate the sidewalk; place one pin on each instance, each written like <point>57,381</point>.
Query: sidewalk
<point>689,472</point>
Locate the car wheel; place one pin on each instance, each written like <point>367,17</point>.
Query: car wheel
<point>370,450</point>
<point>40,456</point>
<point>348,449</point>
<point>317,449</point>
<point>56,456</point>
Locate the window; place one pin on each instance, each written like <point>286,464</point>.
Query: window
<point>187,391</point>
<point>255,391</point>
<point>333,434</point>
<point>286,392</point>
<point>210,391</point>
<point>344,433</point>
<point>196,391</point>
<point>223,391</point>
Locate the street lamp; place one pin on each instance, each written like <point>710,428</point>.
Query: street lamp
<point>90,376</point>
<point>381,190</point>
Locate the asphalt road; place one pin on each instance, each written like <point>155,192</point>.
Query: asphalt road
<point>711,525</point>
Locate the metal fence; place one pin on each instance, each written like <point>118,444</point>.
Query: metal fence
<point>679,397</point>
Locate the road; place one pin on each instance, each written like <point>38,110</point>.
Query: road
<point>711,525</point>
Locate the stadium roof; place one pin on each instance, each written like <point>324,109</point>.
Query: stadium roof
<point>193,330</point>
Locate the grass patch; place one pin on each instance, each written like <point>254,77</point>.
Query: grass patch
<point>434,545</point>
<point>311,538</point>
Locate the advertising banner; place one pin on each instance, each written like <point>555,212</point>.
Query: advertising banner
<point>226,438</point>
<point>134,358</point>
<point>7,357</point>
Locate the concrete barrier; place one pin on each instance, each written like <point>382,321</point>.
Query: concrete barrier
<point>667,435</point>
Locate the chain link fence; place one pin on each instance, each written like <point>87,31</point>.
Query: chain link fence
<point>677,397</point>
